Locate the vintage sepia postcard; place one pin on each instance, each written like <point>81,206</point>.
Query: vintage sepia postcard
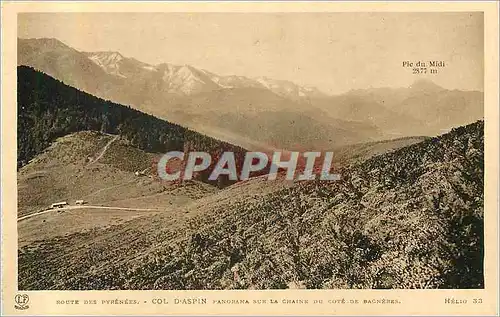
<point>249,158</point>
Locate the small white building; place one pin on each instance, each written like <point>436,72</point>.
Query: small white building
<point>80,202</point>
<point>59,204</point>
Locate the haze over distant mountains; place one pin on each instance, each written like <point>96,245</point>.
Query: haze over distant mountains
<point>274,112</point>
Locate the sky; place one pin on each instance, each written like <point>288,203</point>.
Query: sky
<point>334,52</point>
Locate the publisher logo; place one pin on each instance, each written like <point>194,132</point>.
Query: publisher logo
<point>21,301</point>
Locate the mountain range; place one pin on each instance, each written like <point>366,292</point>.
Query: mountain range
<point>248,108</point>
<point>52,56</point>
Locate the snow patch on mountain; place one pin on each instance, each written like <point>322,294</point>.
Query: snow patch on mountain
<point>150,68</point>
<point>109,61</point>
<point>288,89</point>
<point>188,80</point>
<point>185,79</point>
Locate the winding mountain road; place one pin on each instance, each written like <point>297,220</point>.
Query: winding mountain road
<point>86,207</point>
<point>104,149</point>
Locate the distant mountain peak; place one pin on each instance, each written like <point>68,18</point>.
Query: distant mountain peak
<point>425,85</point>
<point>288,89</point>
<point>111,56</point>
<point>107,60</point>
<point>44,42</point>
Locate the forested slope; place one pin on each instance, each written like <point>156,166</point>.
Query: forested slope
<point>48,109</point>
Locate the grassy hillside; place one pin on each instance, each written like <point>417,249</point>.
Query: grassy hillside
<point>68,171</point>
<point>412,218</point>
